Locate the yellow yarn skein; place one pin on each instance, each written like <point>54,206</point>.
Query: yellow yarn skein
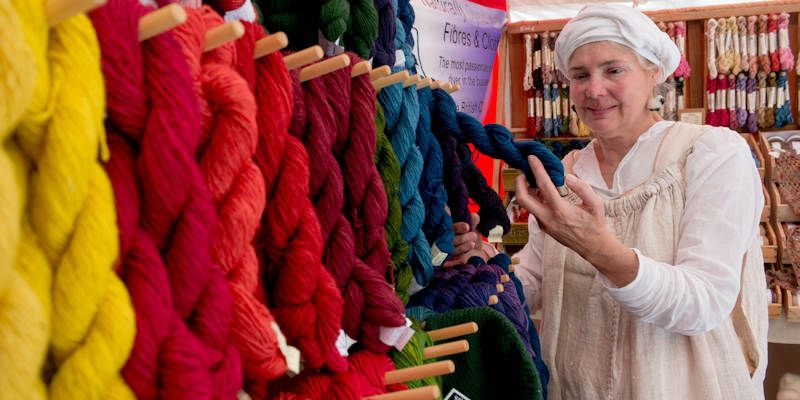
<point>72,212</point>
<point>23,319</point>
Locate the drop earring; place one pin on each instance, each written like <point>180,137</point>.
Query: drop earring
<point>655,103</point>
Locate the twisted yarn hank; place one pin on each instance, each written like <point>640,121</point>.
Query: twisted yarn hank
<point>772,87</point>
<point>300,20</point>
<point>783,112</point>
<point>711,33</point>
<point>492,212</point>
<point>401,109</point>
<point>412,356</point>
<point>741,103</point>
<point>438,225</point>
<point>389,170</point>
<point>152,112</point>
<point>733,122</point>
<point>772,30</point>
<point>457,193</point>
<point>752,46</point>
<point>784,51</point>
<point>334,18</point>
<point>237,187</point>
<point>722,95</point>
<point>24,272</point>
<point>369,302</point>
<point>302,294</point>
<point>72,214</point>
<point>208,293</point>
<point>362,30</point>
<point>752,123</point>
<point>384,51</point>
<point>764,60</point>
<point>761,111</point>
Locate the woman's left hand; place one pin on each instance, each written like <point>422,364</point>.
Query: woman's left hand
<point>581,227</point>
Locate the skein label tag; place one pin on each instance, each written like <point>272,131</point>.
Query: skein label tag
<point>454,394</point>
<point>762,96</point>
<point>780,97</point>
<point>438,256</point>
<point>771,97</point>
<point>731,99</point>
<point>751,102</point>
<point>495,234</point>
<point>773,44</point>
<point>343,343</point>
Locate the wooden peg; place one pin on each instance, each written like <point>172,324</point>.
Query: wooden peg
<point>505,278</point>
<point>419,372</point>
<point>446,349</point>
<point>453,331</point>
<point>58,10</point>
<point>270,44</point>
<point>424,83</point>
<point>222,34</point>
<point>421,393</point>
<point>500,288</point>
<point>161,20</point>
<point>411,80</point>
<point>303,57</point>
<point>324,67</point>
<point>380,72</point>
<point>396,77</point>
<point>493,299</point>
<point>360,69</point>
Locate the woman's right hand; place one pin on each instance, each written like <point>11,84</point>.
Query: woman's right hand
<point>467,242</point>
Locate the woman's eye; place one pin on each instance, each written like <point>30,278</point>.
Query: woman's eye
<point>578,77</point>
<point>615,71</point>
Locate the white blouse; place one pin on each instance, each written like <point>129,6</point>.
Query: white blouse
<point>724,201</point>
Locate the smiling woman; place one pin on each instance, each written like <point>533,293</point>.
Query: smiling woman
<point>634,256</point>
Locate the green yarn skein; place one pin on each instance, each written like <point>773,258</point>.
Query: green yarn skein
<point>389,169</point>
<point>334,18</point>
<point>363,28</point>
<point>299,20</point>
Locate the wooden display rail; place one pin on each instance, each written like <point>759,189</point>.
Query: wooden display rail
<point>775,308</point>
<point>782,211</point>
<point>756,148</point>
<point>791,306</point>
<point>518,235</point>
<point>766,213</point>
<point>770,246</point>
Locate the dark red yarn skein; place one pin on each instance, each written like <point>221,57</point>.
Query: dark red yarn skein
<point>302,294</point>
<point>369,300</point>
<point>162,207</point>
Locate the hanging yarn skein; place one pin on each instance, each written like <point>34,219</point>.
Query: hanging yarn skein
<point>733,122</point>
<point>401,108</point>
<point>772,35</point>
<point>724,52</point>
<point>362,28</point>
<point>752,123</point>
<point>72,212</point>
<point>384,51</point>
<point>772,94</point>
<point>783,110</point>
<point>299,20</point>
<point>334,18</point>
<point>723,114</point>
<point>761,111</point>
<point>405,38</point>
<point>784,52</point>
<point>369,304</point>
<point>491,210</point>
<point>711,93</point>
<point>457,193</point>
<point>237,188</point>
<point>152,112</point>
<point>211,282</point>
<point>711,60</point>
<point>763,46</point>
<point>389,170</point>
<point>438,225</point>
<point>495,140</point>
<point>752,46</point>
<point>741,100</point>
<point>732,39</point>
<point>744,53</point>
<point>24,271</point>
<point>302,294</point>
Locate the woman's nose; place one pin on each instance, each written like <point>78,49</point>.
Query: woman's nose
<point>595,87</point>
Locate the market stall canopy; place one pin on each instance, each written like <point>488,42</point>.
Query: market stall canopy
<point>538,10</point>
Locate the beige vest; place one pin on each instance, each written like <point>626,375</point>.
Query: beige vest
<point>596,350</point>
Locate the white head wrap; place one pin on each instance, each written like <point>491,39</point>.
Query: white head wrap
<point>621,24</point>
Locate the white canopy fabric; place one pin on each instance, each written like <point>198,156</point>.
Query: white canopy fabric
<point>538,10</point>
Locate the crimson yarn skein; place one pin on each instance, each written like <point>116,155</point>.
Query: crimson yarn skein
<point>237,188</point>
<point>302,294</point>
<point>151,109</point>
<point>369,300</point>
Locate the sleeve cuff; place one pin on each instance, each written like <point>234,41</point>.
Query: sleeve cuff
<point>633,292</point>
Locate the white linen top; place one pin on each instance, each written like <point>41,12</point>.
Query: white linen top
<point>723,206</point>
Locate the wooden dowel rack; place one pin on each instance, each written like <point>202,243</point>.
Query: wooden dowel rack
<point>161,20</point>
<point>419,372</point>
<point>445,349</point>
<point>453,331</point>
<point>422,393</point>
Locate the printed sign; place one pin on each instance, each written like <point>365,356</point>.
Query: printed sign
<point>455,42</point>
<point>455,395</point>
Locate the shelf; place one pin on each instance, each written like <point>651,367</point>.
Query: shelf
<point>509,177</point>
<point>518,235</point>
<point>783,212</point>
<point>784,331</point>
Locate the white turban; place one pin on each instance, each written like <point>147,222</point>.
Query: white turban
<point>621,24</point>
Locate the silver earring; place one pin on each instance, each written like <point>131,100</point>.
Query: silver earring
<point>655,103</point>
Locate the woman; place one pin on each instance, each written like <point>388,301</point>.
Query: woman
<point>649,275</point>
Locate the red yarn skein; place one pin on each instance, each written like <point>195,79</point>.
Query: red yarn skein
<point>151,108</point>
<point>369,300</point>
<point>303,296</point>
<point>237,188</point>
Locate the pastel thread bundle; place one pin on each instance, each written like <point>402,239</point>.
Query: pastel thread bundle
<point>302,295</point>
<point>71,211</point>
<point>401,108</point>
<point>24,272</point>
<point>389,170</point>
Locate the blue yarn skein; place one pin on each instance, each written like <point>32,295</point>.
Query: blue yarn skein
<point>384,51</point>
<point>495,140</point>
<point>492,212</point>
<point>457,193</point>
<point>555,94</point>
<point>783,115</point>
<point>401,108</point>
<point>438,226</point>
<point>405,17</point>
<point>548,121</point>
